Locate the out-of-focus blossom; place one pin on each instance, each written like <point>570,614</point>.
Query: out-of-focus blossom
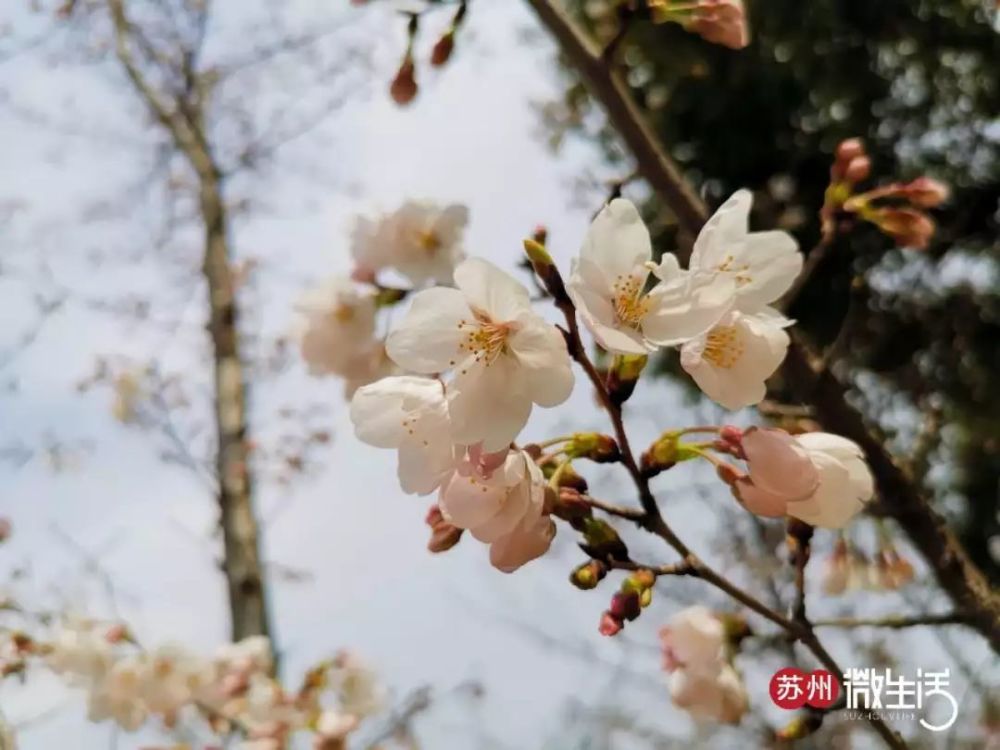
<point>721,696</point>
<point>718,21</point>
<point>693,640</point>
<point>337,327</point>
<point>836,572</point>
<point>503,355</point>
<point>608,287</point>
<point>908,227</point>
<point>420,240</point>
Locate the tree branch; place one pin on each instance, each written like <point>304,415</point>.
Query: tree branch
<point>814,384</point>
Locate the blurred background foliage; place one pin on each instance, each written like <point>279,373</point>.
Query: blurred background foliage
<point>917,333</point>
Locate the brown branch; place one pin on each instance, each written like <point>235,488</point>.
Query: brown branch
<point>183,120</point>
<point>813,384</point>
<point>895,622</point>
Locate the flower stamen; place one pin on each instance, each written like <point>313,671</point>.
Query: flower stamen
<point>723,347</point>
<point>631,305</point>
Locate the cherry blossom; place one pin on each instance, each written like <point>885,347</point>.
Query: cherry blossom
<point>420,240</point>
<point>409,414</point>
<point>501,506</point>
<point>817,477</point>
<point>763,265</point>
<point>337,327</point>
<point>608,287</point>
<point>505,357</point>
<point>719,696</point>
<point>702,681</point>
<point>693,640</point>
<point>732,361</point>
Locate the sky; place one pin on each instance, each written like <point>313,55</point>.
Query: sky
<point>474,136</point>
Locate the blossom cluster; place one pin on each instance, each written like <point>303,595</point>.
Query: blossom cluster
<point>419,242</point>
<point>702,678</point>
<point>232,690</point>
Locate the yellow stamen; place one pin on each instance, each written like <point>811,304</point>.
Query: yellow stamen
<point>740,273</point>
<point>723,347</point>
<point>630,304</point>
<point>483,338</point>
<point>429,241</point>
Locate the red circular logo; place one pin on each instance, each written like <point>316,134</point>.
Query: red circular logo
<point>788,688</point>
<point>792,688</point>
<point>822,689</point>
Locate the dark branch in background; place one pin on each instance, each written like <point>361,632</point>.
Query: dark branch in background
<point>181,115</point>
<point>810,380</point>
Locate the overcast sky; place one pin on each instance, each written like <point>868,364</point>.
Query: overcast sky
<point>473,136</point>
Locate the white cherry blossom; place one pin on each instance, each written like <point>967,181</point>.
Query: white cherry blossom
<point>409,414</point>
<point>693,639</point>
<point>337,326</point>
<point>420,240</point>
<point>732,361</point>
<point>763,265</point>
<point>608,287</point>
<point>719,696</point>
<point>504,356</point>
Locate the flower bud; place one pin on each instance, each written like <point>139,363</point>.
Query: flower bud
<point>117,633</point>
<point>800,727</point>
<point>666,451</point>
<point>570,505</point>
<point>625,605</point>
<point>545,269</point>
<point>567,477</point>
<point>907,226</point>
<point>444,536</point>
<point>924,192</point>
<point>601,541</point>
<point>403,88</point>
<point>858,169</point>
<point>599,448</point>
<point>623,376</point>
<point>6,529</point>
<point>610,625</point>
<point>588,575</point>
<point>850,149</point>
<point>443,49</point>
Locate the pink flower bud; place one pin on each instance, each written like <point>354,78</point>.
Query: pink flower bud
<point>610,625</point>
<point>117,633</point>
<point>850,149</point>
<point>403,88</point>
<point>720,22</point>
<point>625,605</point>
<point>6,529</point>
<point>908,227</point>
<point>858,169</point>
<point>924,192</point>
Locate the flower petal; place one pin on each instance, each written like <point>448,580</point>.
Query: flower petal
<point>681,312</point>
<point>773,261</point>
<point>490,290</point>
<point>489,403</point>
<point>428,337</point>
<point>723,233</point>
<point>522,545</point>
<point>541,351</point>
<point>617,242</point>
<point>378,410</point>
